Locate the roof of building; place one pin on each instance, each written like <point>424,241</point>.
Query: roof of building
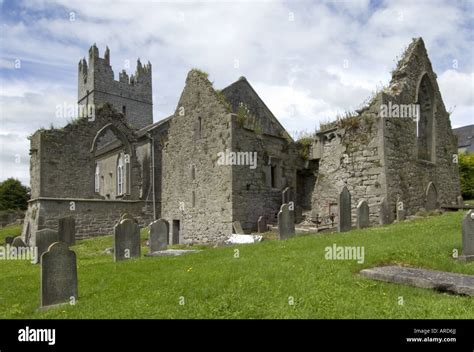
<point>465,136</point>
<point>141,132</point>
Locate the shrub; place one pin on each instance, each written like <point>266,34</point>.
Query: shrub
<point>466,173</point>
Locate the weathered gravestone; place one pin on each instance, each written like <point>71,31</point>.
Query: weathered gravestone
<point>9,240</point>
<point>468,237</point>
<point>67,230</point>
<point>431,197</point>
<point>44,239</point>
<point>159,234</point>
<point>286,223</point>
<point>126,240</point>
<point>401,212</point>
<point>362,214</point>
<point>58,275</point>
<point>344,207</point>
<point>238,228</point>
<point>460,201</point>
<point>262,224</point>
<point>385,215</point>
<point>18,242</point>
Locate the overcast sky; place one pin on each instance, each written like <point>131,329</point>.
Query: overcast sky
<point>308,60</point>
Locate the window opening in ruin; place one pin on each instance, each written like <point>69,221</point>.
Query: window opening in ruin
<point>120,180</point>
<point>425,122</point>
<point>97,178</point>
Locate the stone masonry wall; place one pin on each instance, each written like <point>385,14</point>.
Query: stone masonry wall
<point>96,85</point>
<point>93,217</point>
<point>408,176</point>
<point>253,195</point>
<point>201,199</point>
<point>352,156</point>
<point>65,163</point>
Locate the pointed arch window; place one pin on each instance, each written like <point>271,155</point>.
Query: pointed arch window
<point>426,123</point>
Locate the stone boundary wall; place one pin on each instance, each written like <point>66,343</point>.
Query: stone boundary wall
<point>93,217</point>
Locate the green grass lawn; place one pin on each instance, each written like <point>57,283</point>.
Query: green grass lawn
<point>260,283</point>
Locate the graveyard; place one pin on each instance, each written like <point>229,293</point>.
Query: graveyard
<point>289,278</point>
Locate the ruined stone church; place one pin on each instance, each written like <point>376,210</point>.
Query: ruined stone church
<point>117,160</point>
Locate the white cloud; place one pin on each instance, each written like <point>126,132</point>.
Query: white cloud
<point>296,63</point>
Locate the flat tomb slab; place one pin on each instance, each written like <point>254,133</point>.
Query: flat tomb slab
<point>171,252</point>
<point>460,284</point>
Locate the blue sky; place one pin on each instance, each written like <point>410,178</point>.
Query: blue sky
<point>308,60</point>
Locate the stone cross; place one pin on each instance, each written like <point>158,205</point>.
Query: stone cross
<point>286,223</point>
<point>362,215</point>
<point>159,234</point>
<point>344,207</point>
<point>262,224</point>
<point>126,240</point>
<point>67,230</point>
<point>468,236</point>
<point>44,239</point>
<point>58,275</point>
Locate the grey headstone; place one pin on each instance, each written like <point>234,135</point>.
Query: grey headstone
<point>468,236</point>
<point>159,234</point>
<point>262,224</point>
<point>439,280</point>
<point>431,197</point>
<point>67,230</point>
<point>238,228</point>
<point>58,275</point>
<point>286,196</point>
<point>362,214</point>
<point>286,222</point>
<point>126,240</point>
<point>344,207</point>
<point>18,242</point>
<point>44,239</point>
<point>460,201</point>
<point>9,240</point>
<point>401,212</point>
<point>385,215</point>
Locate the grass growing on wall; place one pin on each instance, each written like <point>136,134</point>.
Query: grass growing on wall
<point>259,283</point>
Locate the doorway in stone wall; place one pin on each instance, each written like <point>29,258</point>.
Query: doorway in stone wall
<point>175,231</point>
<point>305,181</point>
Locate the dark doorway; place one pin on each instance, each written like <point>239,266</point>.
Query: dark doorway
<point>176,228</point>
<point>305,180</point>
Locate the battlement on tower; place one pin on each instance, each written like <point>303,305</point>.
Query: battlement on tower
<point>130,95</point>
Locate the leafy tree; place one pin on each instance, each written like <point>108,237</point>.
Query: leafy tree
<point>466,172</point>
<point>13,195</point>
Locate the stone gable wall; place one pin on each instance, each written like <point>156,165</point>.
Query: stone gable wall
<point>210,218</point>
<point>407,176</point>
